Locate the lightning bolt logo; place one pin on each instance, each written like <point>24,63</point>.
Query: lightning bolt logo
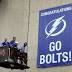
<point>56,23</point>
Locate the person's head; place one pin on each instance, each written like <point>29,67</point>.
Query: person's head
<point>25,44</point>
<point>14,38</point>
<point>5,39</point>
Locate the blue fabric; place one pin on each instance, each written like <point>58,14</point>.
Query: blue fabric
<point>5,44</point>
<point>13,44</point>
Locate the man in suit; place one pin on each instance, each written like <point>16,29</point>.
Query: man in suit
<point>13,42</point>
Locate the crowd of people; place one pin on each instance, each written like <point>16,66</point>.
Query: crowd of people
<point>13,44</point>
<point>19,54</point>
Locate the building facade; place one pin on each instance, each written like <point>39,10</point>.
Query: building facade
<point>20,18</point>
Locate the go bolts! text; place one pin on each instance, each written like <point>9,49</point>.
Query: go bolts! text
<point>55,57</point>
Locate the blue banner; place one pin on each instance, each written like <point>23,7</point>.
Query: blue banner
<point>55,37</point>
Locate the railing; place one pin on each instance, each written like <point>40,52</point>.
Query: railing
<point>12,53</point>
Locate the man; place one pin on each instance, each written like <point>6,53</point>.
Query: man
<point>25,50</point>
<point>13,46</point>
<point>13,42</point>
<point>5,43</point>
<point>23,47</point>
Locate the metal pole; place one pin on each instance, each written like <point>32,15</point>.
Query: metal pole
<point>28,21</point>
<point>28,27</point>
